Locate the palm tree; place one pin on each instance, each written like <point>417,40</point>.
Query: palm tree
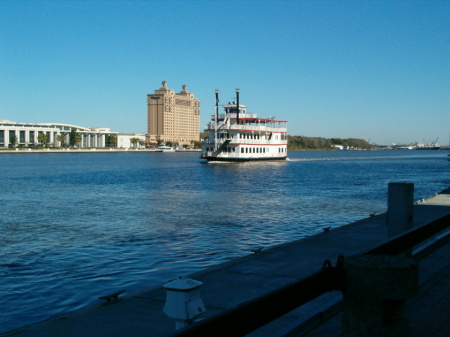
<point>134,141</point>
<point>77,139</point>
<point>61,138</point>
<point>74,137</point>
<point>113,140</point>
<point>42,138</point>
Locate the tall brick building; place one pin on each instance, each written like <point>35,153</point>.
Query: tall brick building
<point>173,117</point>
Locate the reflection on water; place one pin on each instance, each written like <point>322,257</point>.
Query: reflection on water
<point>76,226</point>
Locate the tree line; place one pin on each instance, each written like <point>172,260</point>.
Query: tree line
<point>319,143</point>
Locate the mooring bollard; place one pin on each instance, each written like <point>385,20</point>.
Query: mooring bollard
<point>400,208</point>
<point>183,302</point>
<point>376,288</point>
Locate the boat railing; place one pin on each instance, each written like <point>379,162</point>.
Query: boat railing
<point>234,115</point>
<point>255,128</point>
<point>259,128</point>
<point>262,141</point>
<point>256,313</point>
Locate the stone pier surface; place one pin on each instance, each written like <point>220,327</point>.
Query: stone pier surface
<point>237,281</point>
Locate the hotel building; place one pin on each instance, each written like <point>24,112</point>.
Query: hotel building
<point>173,117</point>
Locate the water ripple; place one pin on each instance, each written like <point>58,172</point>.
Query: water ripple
<point>77,226</point>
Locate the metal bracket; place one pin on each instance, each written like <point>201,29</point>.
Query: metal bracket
<point>336,273</point>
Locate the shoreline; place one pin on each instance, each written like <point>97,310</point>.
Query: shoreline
<point>92,150</point>
<point>125,150</point>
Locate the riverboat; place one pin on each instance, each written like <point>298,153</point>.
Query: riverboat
<point>239,135</point>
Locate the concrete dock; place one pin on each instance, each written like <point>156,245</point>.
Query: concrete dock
<point>229,284</point>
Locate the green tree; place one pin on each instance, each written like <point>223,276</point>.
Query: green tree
<point>112,139</point>
<point>42,138</point>
<point>134,141</point>
<point>61,138</point>
<point>74,137</point>
<point>78,139</point>
<point>319,143</point>
<point>13,140</point>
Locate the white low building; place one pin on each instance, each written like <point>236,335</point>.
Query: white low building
<point>135,140</point>
<point>26,134</point>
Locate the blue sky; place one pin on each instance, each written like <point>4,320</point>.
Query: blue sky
<point>378,70</point>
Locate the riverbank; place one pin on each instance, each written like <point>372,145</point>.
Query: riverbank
<point>232,283</point>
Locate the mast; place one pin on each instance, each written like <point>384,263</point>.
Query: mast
<point>237,105</point>
<point>217,120</point>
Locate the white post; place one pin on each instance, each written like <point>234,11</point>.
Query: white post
<point>183,302</point>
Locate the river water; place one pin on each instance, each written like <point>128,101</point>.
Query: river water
<point>76,226</point>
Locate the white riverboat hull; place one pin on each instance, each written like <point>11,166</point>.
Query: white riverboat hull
<point>242,159</point>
